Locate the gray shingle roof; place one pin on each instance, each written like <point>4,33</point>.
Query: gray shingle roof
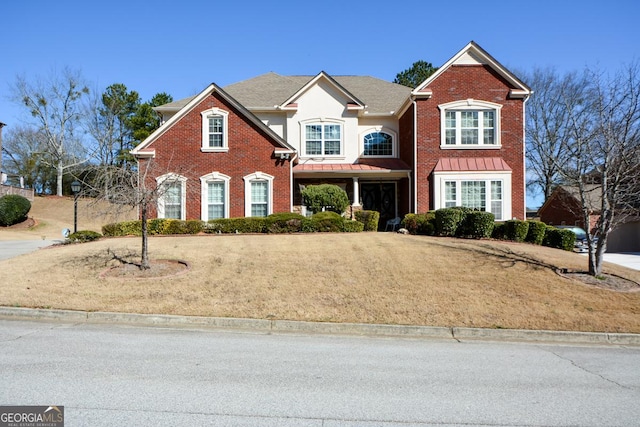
<point>266,90</point>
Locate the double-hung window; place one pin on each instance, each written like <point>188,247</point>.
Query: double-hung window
<point>470,124</point>
<point>215,196</point>
<point>258,189</point>
<point>171,196</point>
<point>323,139</point>
<point>215,130</point>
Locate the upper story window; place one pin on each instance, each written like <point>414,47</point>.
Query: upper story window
<point>323,139</point>
<point>470,124</point>
<point>215,130</point>
<point>378,144</point>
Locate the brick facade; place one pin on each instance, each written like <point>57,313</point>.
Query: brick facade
<point>178,151</point>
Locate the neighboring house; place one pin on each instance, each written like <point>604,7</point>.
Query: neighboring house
<point>564,207</point>
<point>251,147</point>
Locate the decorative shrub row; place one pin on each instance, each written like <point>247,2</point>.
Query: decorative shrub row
<point>369,219</point>
<point>154,227</point>
<point>13,209</point>
<point>285,223</point>
<point>464,222</point>
<point>83,236</point>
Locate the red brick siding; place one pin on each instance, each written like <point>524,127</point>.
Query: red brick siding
<point>406,137</point>
<point>480,83</point>
<point>250,150</point>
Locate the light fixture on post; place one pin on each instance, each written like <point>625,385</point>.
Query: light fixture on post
<point>75,189</point>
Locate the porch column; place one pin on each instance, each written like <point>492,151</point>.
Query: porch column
<point>356,192</point>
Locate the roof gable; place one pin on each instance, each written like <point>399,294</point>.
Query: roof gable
<point>142,149</point>
<point>352,101</point>
<point>473,54</point>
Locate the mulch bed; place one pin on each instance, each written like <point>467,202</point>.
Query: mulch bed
<point>157,268</point>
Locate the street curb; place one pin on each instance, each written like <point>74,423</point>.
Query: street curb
<point>290,326</point>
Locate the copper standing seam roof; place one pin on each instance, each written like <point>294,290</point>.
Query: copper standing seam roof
<point>364,165</point>
<point>472,164</point>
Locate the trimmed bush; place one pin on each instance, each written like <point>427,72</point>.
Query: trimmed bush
<point>286,222</point>
<point>499,231</point>
<point>423,224</point>
<point>477,225</point>
<point>155,226</point>
<point>536,232</point>
<point>559,238</point>
<point>125,228</point>
<point>369,219</point>
<point>327,221</point>
<point>516,230</point>
<point>84,236</point>
<point>325,196</point>
<point>353,226</point>
<point>236,225</point>
<point>13,209</point>
<point>448,220</point>
<point>193,226</point>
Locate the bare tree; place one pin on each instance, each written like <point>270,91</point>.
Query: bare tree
<point>603,142</point>
<point>21,157</point>
<point>55,105</point>
<point>126,188</point>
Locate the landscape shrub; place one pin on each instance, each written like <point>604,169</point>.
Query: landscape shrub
<point>83,236</point>
<point>369,219</point>
<point>477,225</point>
<point>13,209</point>
<point>193,226</point>
<point>559,238</point>
<point>516,230</point>
<point>536,232</point>
<point>236,225</point>
<point>423,224</point>
<point>327,222</point>
<point>448,220</point>
<point>499,230</point>
<point>353,226</point>
<point>286,222</point>
<point>125,228</point>
<point>155,226</point>
<point>325,196</point>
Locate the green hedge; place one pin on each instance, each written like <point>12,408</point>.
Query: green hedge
<point>286,222</point>
<point>353,226</point>
<point>236,225</point>
<point>369,219</point>
<point>516,230</point>
<point>84,236</point>
<point>13,209</point>
<point>327,222</point>
<point>559,238</point>
<point>448,220</point>
<point>477,225</point>
<point>155,226</point>
<point>423,224</point>
<point>536,232</point>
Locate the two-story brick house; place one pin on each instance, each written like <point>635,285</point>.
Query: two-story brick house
<point>248,149</point>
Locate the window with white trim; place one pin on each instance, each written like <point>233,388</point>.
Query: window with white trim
<point>470,124</point>
<point>215,196</point>
<point>215,130</point>
<point>323,139</point>
<point>172,196</point>
<point>473,194</point>
<point>258,194</point>
<point>378,144</point>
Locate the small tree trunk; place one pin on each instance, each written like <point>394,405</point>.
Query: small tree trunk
<point>144,262</point>
<point>59,172</point>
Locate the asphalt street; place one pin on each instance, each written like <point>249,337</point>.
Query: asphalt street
<point>106,375</point>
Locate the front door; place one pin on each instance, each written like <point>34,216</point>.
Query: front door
<point>379,197</point>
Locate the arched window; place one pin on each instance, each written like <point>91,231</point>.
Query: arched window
<point>378,144</point>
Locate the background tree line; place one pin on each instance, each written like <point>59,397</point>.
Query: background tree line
<point>69,129</point>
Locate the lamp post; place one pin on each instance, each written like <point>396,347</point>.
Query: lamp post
<point>75,189</point>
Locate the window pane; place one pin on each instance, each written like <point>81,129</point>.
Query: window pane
<point>450,199</point>
<point>215,200</point>
<point>473,194</point>
<point>378,144</point>
<point>489,128</point>
<point>469,136</point>
<point>332,148</point>
<point>314,132</point>
<point>173,200</point>
<point>469,119</point>
<point>259,198</point>
<point>215,131</point>
<point>314,147</point>
<point>332,132</point>
<point>496,199</point>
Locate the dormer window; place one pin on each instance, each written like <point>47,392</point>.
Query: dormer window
<point>215,130</point>
<point>470,124</point>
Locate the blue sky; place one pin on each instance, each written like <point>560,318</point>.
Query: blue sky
<point>181,47</point>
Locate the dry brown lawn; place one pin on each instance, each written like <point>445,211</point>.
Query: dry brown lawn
<point>357,277</point>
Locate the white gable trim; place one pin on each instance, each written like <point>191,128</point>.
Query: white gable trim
<point>359,105</point>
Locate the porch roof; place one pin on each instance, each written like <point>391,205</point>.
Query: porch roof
<point>363,165</point>
<point>453,164</point>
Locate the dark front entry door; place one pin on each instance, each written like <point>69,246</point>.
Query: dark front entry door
<point>379,197</point>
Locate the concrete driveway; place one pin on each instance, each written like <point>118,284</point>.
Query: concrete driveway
<point>12,248</point>
<point>626,259</point>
